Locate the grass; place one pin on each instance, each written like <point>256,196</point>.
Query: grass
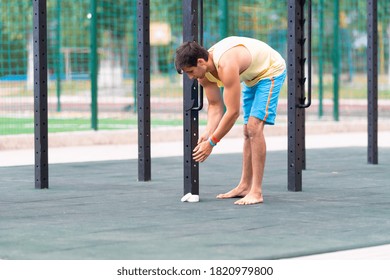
<point>14,126</point>
<point>161,86</point>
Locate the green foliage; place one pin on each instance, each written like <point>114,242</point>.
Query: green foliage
<point>69,43</point>
<point>69,20</point>
<point>14,20</point>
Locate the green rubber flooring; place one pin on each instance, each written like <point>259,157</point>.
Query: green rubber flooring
<point>98,210</point>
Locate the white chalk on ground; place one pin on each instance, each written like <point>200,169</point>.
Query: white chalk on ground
<point>189,197</point>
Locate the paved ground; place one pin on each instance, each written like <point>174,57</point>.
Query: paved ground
<point>344,205</point>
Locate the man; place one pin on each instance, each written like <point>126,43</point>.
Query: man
<point>226,64</point>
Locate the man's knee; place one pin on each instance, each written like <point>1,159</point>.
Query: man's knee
<point>245,132</point>
<point>254,127</point>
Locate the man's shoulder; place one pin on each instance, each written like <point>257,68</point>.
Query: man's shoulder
<point>230,55</point>
<point>236,57</point>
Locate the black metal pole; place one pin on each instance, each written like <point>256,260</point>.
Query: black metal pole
<point>143,90</point>
<point>372,81</point>
<point>191,14</point>
<point>40,95</point>
<point>295,88</point>
<point>94,64</point>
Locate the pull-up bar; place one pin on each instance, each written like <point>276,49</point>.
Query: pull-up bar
<point>192,30</point>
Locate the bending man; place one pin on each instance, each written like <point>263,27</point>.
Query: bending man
<point>226,64</point>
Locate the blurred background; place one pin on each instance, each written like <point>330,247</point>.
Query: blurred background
<point>339,59</point>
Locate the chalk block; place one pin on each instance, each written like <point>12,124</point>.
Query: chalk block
<point>189,197</point>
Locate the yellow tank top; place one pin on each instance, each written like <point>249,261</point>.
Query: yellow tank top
<point>266,62</point>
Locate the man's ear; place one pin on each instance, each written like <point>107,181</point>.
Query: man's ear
<point>201,61</point>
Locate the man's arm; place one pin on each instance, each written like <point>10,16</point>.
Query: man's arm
<point>215,108</point>
<point>229,74</point>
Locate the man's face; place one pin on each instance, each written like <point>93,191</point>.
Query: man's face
<point>196,72</point>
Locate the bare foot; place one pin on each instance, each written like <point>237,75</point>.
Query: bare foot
<point>250,198</point>
<point>236,192</point>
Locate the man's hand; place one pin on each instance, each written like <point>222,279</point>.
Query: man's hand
<point>203,137</point>
<point>202,151</point>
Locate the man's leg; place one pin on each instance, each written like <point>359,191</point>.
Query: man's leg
<point>255,129</point>
<point>245,184</point>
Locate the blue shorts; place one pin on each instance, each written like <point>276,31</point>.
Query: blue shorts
<point>261,100</point>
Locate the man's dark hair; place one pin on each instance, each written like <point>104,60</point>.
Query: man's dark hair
<point>187,55</point>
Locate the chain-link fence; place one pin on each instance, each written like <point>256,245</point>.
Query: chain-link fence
<point>339,58</point>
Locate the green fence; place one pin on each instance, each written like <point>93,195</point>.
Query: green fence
<point>339,66</point>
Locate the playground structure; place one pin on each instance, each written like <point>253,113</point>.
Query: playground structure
<point>98,210</point>
<point>193,30</point>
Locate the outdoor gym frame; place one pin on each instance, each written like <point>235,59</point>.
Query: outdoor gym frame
<point>296,86</point>
<point>40,95</point>
<point>143,90</point>
<point>193,95</point>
